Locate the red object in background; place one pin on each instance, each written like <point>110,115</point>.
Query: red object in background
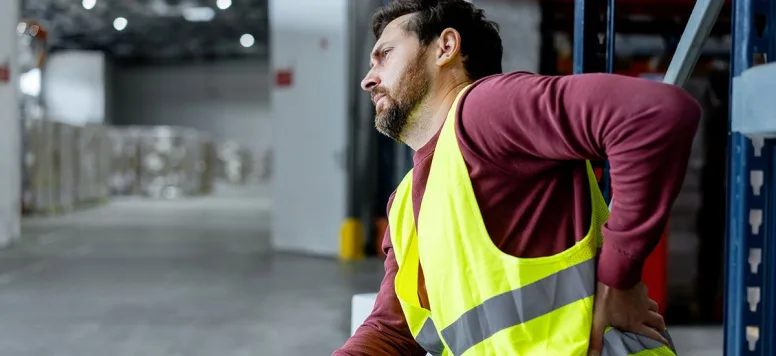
<point>5,73</point>
<point>284,78</point>
<point>655,273</point>
<point>598,173</point>
<point>381,224</point>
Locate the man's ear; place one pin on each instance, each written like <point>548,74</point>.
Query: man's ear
<point>448,46</point>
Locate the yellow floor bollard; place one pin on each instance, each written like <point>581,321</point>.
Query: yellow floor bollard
<point>352,240</point>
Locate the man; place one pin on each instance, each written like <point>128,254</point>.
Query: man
<point>492,234</point>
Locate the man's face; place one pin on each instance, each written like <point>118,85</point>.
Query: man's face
<point>399,79</point>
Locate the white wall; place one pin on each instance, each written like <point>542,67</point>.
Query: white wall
<point>74,87</point>
<point>310,123</point>
<point>10,136</point>
<point>229,99</point>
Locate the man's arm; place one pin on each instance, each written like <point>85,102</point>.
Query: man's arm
<point>645,129</point>
<point>385,331</point>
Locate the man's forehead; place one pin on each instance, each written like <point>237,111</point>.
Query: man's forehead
<point>395,28</point>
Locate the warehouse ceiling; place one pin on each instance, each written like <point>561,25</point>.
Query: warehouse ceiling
<point>140,31</point>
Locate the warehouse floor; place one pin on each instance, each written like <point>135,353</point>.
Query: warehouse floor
<point>187,278</point>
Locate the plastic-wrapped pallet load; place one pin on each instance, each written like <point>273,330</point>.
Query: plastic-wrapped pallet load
<point>93,164</point>
<point>30,174</point>
<point>194,161</point>
<point>65,156</point>
<point>37,160</point>
<point>265,164</point>
<point>234,162</point>
<point>50,159</point>
<point>47,163</point>
<point>168,160</point>
<point>104,164</point>
<point>209,161</point>
<point>124,160</point>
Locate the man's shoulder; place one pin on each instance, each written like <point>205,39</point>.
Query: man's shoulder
<point>495,88</point>
<point>491,114</point>
<point>488,92</point>
<point>508,77</point>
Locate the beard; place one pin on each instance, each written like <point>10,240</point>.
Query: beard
<point>409,92</point>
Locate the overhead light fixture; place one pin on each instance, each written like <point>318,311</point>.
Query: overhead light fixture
<point>198,14</point>
<point>247,40</point>
<point>120,23</point>
<point>89,4</point>
<point>223,4</point>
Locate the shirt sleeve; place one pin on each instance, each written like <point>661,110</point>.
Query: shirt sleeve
<point>644,128</point>
<point>385,331</point>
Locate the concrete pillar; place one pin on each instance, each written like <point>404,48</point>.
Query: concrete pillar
<point>309,102</point>
<point>10,134</point>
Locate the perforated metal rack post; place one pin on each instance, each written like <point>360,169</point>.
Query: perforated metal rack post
<point>750,275</point>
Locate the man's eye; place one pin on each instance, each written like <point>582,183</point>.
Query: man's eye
<point>386,51</point>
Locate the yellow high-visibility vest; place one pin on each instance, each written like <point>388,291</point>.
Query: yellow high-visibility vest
<point>484,301</point>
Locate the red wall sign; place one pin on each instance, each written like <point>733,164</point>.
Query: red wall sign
<point>284,78</point>
<point>5,73</point>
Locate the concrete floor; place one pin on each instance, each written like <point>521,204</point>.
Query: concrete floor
<point>189,278</point>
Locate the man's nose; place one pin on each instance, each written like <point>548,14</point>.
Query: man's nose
<point>370,81</point>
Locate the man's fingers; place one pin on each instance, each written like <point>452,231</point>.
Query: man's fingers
<point>655,320</point>
<point>596,338</point>
<point>651,333</point>
<point>653,306</point>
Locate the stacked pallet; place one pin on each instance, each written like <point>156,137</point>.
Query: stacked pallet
<point>64,166</point>
<point>68,167</point>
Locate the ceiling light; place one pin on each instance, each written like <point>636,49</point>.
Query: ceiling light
<point>89,4</point>
<point>198,14</point>
<point>247,40</point>
<point>120,23</point>
<point>223,4</point>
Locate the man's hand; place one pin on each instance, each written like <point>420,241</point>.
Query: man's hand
<point>627,310</point>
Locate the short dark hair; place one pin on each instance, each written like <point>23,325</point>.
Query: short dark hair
<point>480,41</point>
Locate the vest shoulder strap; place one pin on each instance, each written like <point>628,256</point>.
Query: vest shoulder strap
<point>401,217</point>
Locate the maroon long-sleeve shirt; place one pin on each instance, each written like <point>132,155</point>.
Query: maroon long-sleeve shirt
<point>524,138</point>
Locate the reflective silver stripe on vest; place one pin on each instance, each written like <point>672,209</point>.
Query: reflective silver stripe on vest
<point>428,339</point>
<point>618,343</point>
<point>670,340</point>
<point>520,305</point>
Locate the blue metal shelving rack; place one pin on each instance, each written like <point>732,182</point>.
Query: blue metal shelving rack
<point>750,275</point>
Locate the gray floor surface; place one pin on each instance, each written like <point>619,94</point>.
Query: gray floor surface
<point>187,278</point>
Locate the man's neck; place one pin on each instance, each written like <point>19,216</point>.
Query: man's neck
<point>432,114</point>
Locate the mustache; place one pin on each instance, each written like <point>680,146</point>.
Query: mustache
<point>378,91</point>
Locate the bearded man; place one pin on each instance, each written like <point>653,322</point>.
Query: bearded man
<point>499,241</point>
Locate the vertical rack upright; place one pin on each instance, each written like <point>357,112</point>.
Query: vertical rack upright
<point>594,52</point>
<point>750,274</point>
